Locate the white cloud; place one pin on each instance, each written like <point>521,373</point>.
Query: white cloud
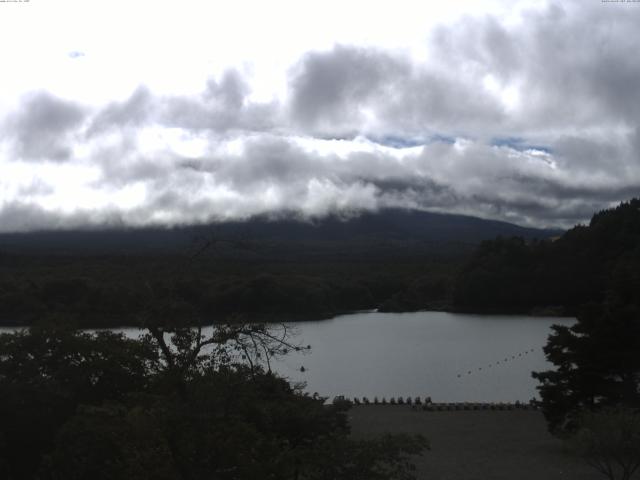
<point>166,112</point>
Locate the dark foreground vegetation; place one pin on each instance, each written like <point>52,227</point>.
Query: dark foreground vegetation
<point>592,396</point>
<point>98,406</point>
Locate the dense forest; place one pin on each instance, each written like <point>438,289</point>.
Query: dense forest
<point>114,290</point>
<point>264,269</point>
<point>556,276</point>
<point>321,270</point>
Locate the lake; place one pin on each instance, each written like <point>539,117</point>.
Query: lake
<point>449,357</point>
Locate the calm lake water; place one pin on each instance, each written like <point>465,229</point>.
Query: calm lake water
<point>449,357</point>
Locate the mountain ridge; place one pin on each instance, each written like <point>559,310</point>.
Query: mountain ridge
<point>367,229</point>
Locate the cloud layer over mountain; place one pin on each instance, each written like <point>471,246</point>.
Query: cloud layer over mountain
<point>533,119</point>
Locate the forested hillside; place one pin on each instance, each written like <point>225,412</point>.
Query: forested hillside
<point>515,275</point>
<point>263,269</point>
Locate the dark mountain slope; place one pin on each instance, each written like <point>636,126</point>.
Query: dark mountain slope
<point>368,231</point>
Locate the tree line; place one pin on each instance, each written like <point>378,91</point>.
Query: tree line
<point>110,291</point>
<point>580,267</point>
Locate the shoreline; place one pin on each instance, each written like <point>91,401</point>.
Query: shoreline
<point>269,318</point>
<point>476,445</point>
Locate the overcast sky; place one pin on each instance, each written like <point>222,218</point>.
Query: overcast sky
<point>146,112</point>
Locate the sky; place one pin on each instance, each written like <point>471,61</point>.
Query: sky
<point>136,113</point>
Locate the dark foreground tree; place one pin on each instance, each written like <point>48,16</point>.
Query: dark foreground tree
<point>46,373</point>
<point>175,404</point>
<point>596,364</point>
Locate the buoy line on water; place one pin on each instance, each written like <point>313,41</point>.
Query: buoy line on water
<point>506,359</point>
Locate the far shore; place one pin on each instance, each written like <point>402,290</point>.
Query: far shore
<point>97,321</point>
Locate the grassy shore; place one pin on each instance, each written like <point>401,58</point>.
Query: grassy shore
<point>477,445</point>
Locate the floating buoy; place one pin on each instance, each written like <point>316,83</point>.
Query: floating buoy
<point>302,369</point>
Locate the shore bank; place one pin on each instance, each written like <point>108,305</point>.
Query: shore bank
<point>476,444</point>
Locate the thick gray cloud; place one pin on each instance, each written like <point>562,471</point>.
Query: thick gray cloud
<point>272,173</point>
<point>222,106</point>
<point>135,111</point>
<point>331,87</point>
<point>569,66</point>
<point>350,90</point>
<point>573,63</point>
<point>536,122</point>
<point>18,216</point>
<point>43,127</point>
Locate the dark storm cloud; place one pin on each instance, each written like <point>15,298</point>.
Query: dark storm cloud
<point>42,128</point>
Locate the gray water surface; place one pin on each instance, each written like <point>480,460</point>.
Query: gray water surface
<point>449,357</point>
